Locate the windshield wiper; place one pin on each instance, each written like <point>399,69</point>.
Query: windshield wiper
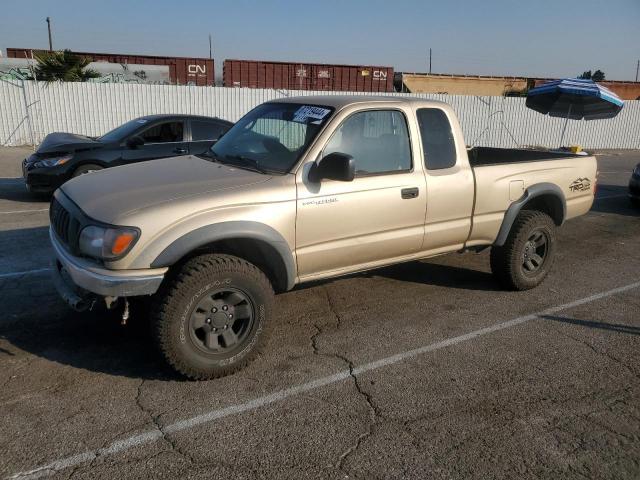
<point>251,163</point>
<point>209,156</point>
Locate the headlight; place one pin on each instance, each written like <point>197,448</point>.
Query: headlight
<point>107,243</point>
<point>636,171</point>
<point>53,162</point>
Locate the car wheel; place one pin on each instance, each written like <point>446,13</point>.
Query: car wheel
<point>211,320</point>
<point>635,202</point>
<point>86,168</point>
<point>526,257</point>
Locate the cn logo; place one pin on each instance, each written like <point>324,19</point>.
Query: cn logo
<point>194,69</point>
<point>379,75</point>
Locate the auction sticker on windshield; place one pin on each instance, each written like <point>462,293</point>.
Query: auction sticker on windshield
<point>307,112</point>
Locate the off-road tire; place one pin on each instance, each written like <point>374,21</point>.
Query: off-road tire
<point>507,260</point>
<point>177,300</point>
<point>86,168</point>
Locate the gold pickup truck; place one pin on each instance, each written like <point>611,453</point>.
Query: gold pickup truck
<point>303,189</point>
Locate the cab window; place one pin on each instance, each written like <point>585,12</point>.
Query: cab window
<point>438,144</point>
<point>378,141</point>
<point>164,133</point>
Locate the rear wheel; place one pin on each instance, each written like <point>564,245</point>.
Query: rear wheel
<point>211,319</point>
<point>86,168</point>
<point>526,257</point>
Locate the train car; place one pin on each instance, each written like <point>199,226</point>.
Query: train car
<point>307,76</point>
<point>182,70</point>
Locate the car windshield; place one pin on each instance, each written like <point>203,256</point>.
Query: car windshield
<point>271,137</point>
<point>123,131</point>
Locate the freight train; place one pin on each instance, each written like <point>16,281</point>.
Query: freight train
<point>329,77</point>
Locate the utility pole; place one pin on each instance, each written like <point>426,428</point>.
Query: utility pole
<point>429,61</point>
<point>210,48</point>
<point>49,28</point>
<point>637,69</point>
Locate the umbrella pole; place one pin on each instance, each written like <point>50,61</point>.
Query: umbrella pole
<point>564,129</point>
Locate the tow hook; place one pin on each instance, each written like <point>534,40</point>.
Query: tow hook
<point>113,302</point>
<point>125,312</point>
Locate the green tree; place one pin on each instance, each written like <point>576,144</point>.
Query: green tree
<point>597,76</point>
<point>63,66</point>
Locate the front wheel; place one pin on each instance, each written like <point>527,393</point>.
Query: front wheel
<point>86,168</point>
<point>211,319</point>
<point>526,257</point>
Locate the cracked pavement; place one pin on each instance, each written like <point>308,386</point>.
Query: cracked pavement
<point>555,397</point>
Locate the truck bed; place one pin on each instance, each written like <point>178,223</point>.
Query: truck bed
<point>480,156</point>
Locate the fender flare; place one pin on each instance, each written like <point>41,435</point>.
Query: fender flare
<point>207,234</point>
<point>537,190</point>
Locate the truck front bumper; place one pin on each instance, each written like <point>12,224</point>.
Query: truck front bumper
<point>78,280</point>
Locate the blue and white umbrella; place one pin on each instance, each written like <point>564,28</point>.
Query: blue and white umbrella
<point>574,98</point>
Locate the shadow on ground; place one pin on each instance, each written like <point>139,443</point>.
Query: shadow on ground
<point>611,327</point>
<point>96,341</point>
<point>14,189</point>
<point>614,199</point>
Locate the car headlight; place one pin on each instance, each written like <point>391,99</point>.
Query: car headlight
<point>53,162</point>
<point>107,243</point>
<point>636,171</point>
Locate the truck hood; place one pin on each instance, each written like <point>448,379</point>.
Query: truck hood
<point>66,142</point>
<point>110,194</point>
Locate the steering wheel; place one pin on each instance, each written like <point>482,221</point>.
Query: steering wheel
<point>274,146</point>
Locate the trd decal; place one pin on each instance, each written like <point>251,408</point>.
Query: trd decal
<point>580,185</point>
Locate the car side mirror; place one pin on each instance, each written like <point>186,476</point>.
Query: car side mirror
<point>335,166</point>
<point>135,141</point>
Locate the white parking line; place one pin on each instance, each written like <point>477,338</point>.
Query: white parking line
<point>26,272</point>
<point>25,211</point>
<point>208,417</point>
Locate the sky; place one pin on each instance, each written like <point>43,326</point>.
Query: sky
<point>539,38</point>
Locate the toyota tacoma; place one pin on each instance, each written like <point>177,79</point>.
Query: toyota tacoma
<point>298,190</point>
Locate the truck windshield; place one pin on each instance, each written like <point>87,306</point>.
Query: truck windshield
<point>271,137</point>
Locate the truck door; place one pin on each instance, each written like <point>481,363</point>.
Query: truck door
<point>450,185</point>
<point>376,217</point>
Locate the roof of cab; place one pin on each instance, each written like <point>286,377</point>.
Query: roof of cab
<point>339,101</point>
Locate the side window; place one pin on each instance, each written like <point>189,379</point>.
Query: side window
<point>378,141</point>
<point>164,133</point>
<point>206,130</point>
<point>438,144</point>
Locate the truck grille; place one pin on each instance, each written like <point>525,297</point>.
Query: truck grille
<point>63,224</point>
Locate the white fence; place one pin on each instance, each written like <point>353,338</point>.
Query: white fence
<point>29,111</point>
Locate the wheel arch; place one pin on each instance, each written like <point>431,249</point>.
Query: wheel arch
<point>544,197</point>
<point>253,241</point>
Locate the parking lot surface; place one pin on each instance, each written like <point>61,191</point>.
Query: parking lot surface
<point>421,370</point>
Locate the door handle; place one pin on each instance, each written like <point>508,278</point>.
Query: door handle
<point>409,192</point>
<point>180,150</point>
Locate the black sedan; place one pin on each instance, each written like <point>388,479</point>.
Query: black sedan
<point>62,156</point>
<point>634,186</point>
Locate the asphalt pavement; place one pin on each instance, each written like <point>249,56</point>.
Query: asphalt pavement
<point>421,370</point>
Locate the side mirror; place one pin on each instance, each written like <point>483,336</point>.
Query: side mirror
<point>335,166</point>
<point>135,141</point>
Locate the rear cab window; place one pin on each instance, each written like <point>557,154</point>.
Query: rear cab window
<point>438,143</point>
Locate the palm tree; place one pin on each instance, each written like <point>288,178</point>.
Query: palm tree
<point>63,66</point>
